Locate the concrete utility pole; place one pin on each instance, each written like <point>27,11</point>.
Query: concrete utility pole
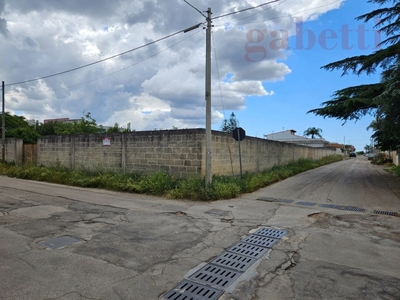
<point>208,101</point>
<point>3,126</point>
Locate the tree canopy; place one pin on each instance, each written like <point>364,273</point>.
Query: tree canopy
<point>85,125</point>
<point>381,99</point>
<point>231,124</point>
<point>18,127</point>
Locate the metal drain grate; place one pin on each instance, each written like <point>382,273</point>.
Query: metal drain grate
<point>259,240</point>
<point>60,242</point>
<point>284,201</point>
<point>388,213</point>
<point>354,208</point>
<point>248,250</point>
<point>215,276</point>
<point>187,290</point>
<point>270,232</point>
<point>332,206</point>
<point>233,261</point>
<point>306,203</point>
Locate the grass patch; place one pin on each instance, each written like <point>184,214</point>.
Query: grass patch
<point>160,184</point>
<point>396,170</point>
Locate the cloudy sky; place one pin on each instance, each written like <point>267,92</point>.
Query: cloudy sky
<point>265,62</point>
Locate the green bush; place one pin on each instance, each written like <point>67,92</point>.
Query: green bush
<point>396,170</point>
<point>224,190</point>
<point>222,187</point>
<point>381,159</point>
<point>189,188</point>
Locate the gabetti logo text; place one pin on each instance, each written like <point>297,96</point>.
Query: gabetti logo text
<point>260,41</point>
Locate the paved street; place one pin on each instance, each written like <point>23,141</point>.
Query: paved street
<point>342,239</point>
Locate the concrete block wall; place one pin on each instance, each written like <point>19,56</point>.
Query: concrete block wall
<point>176,152</point>
<point>14,150</point>
<point>54,149</point>
<point>83,151</point>
<point>257,154</point>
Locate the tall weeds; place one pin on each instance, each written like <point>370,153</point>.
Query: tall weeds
<point>160,184</point>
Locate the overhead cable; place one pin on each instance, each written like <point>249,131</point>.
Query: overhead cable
<point>242,10</point>
<point>195,9</point>
<point>99,61</point>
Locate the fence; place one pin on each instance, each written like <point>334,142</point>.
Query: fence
<point>29,153</point>
<point>176,152</point>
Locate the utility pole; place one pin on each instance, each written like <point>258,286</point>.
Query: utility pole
<point>208,178</point>
<point>3,125</point>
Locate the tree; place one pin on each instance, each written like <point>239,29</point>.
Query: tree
<point>381,99</point>
<point>313,131</point>
<point>231,124</point>
<point>114,128</point>
<point>18,127</point>
<point>85,125</point>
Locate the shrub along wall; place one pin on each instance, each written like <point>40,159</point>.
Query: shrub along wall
<point>176,152</point>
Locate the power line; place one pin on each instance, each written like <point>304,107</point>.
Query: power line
<point>137,48</point>
<point>280,17</point>
<point>268,8</point>
<point>120,70</point>
<point>195,9</point>
<point>99,61</point>
<point>242,10</point>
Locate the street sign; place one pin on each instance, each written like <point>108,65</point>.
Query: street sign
<point>239,134</point>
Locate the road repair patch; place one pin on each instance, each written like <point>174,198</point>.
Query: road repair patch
<point>39,212</point>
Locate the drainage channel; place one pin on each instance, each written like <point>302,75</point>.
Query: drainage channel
<point>211,281</point>
<point>329,205</point>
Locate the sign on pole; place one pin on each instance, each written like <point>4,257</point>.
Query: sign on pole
<point>239,134</point>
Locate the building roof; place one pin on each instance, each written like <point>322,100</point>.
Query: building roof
<point>289,136</point>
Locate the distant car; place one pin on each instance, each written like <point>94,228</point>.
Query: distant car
<point>371,156</point>
<point>352,154</point>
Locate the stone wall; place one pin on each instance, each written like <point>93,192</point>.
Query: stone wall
<point>176,152</point>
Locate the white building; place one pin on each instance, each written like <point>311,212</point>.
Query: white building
<point>289,136</point>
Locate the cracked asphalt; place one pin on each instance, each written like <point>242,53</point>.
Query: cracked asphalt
<point>139,247</point>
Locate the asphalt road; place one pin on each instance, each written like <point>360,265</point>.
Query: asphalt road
<point>129,246</point>
<point>353,182</point>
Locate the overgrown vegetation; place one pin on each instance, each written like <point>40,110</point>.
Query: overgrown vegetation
<point>396,170</point>
<point>19,127</point>
<point>381,159</point>
<point>160,184</point>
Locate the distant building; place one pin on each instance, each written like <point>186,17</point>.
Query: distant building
<point>338,147</point>
<point>102,129</point>
<point>31,121</point>
<point>64,120</point>
<point>289,136</point>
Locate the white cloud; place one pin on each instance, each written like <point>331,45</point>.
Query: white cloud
<point>156,87</point>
